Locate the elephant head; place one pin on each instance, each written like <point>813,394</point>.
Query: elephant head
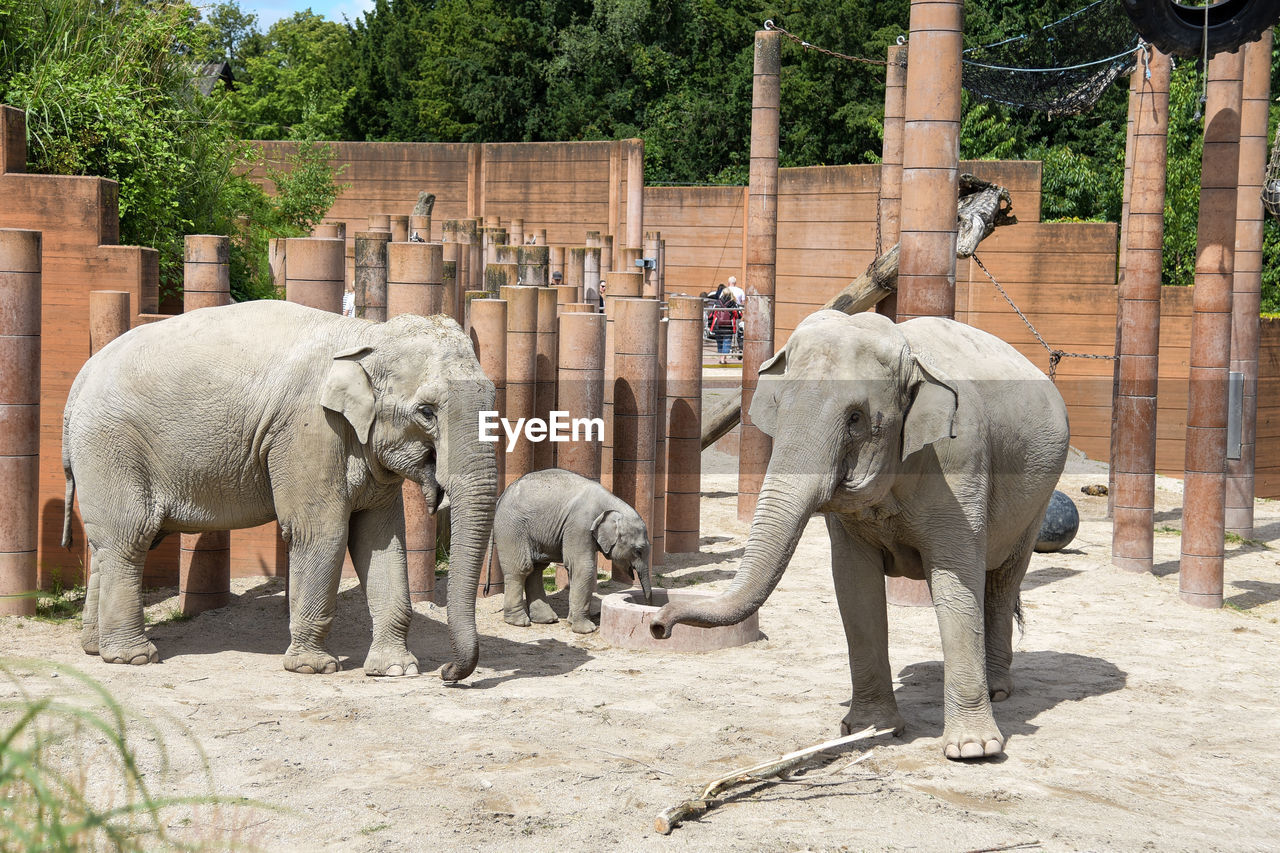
<point>412,394</point>
<point>622,537</point>
<point>846,402</point>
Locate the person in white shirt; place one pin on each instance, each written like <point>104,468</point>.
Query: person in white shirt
<point>739,295</point>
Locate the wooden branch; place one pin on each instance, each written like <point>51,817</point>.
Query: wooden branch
<point>982,208</point>
<point>668,819</point>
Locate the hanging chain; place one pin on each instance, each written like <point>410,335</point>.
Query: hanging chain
<point>1055,355</point>
<point>770,25</point>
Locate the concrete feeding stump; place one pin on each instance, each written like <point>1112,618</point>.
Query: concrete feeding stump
<point>625,618</point>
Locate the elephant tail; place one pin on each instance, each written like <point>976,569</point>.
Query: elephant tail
<point>1018,616</point>
<point>491,558</point>
<point>71,494</point>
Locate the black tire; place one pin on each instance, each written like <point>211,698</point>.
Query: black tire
<point>1178,29</point>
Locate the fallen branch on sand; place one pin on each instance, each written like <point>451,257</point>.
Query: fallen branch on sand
<point>982,208</point>
<point>668,819</point>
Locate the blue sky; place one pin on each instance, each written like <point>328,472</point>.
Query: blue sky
<point>270,11</point>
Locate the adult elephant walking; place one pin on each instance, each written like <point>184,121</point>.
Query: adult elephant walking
<point>231,417</point>
<point>933,449</point>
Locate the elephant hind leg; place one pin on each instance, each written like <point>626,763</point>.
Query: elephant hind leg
<point>535,593</point>
<point>89,618</point>
<point>1001,607</point>
<point>117,634</point>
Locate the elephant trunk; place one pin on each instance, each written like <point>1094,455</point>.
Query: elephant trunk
<point>643,574</point>
<point>792,490</point>
<point>471,482</point>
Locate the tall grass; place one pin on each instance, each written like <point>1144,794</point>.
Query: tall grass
<point>79,771</point>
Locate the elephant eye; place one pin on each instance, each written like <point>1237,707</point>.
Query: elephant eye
<point>855,417</point>
<point>428,412</point>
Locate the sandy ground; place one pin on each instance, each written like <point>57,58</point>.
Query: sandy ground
<point>1138,722</point>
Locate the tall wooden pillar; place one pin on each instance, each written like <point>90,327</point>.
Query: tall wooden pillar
<point>1133,441</point>
<point>760,255</point>
<point>1205,481</point>
<point>889,214</point>
<point>1256,94</point>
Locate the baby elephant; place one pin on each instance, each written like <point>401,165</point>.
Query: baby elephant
<point>557,516</point>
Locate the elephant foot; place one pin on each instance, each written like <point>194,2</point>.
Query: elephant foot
<point>541,612</point>
<point>583,626</point>
<point>861,717</point>
<point>310,662</point>
<point>963,742</point>
<point>135,655</point>
<point>999,686</point>
<point>520,620</point>
<point>390,661</point>
<point>89,640</point>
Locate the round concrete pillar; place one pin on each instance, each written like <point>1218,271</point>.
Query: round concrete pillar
<point>1133,440</point>
<point>557,259</point>
<point>620,285</point>
<point>330,231</point>
<point>580,308</point>
<point>575,269</point>
<point>522,375</point>
<point>652,242</point>
<point>1204,484</point>
<point>371,275</point>
<point>544,452</point>
<point>110,317</point>
<point>684,423</point>
<point>420,228</point>
<point>399,228</point>
<point>592,276</point>
<point>380,222</point>
<point>635,401</point>
<point>658,533</point>
<point>454,306</point>
<point>635,194</point>
<point>627,257</point>
<point>314,272</point>
<point>20,317</point>
<point>606,255</point>
<point>566,294</point>
<point>515,232</point>
<point>580,383</point>
<point>487,325</point>
<point>415,279</point>
<point>895,96</point>
<point>533,264</point>
<point>206,276</point>
<point>499,275</point>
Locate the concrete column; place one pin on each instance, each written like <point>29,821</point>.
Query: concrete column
<point>471,229</point>
<point>1245,330</point>
<point>684,423</point>
<point>658,532</point>
<point>544,452</point>
<point>581,359</point>
<point>619,285</point>
<point>541,239</point>
<point>315,272</point>
<point>453,303</point>
<point>557,258</point>
<point>625,259</point>
<point>635,193</point>
<point>1134,437</point>
<point>533,262</point>
<point>415,273</point>
<point>635,406</point>
<point>895,98</point>
<point>380,222</point>
<point>652,280</point>
<point>204,559</point>
<point>591,276</point>
<point>371,275</point>
<point>575,270</point>
<point>1204,485</point>
<point>330,230</point>
<point>606,255</point>
<point>522,374</point>
<point>20,317</point>
<point>415,279</point>
<point>499,275</point>
<point>399,228</point>
<point>567,294</point>
<point>487,325</point>
<point>515,232</point>
<point>761,249</point>
<point>579,308</point>
<point>109,317</point>
<point>420,226</point>
<point>275,260</point>
<point>930,162</point>
<point>455,233</point>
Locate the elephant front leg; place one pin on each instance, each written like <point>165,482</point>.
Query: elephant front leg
<point>958,588</point>
<point>858,571</point>
<point>580,561</point>
<point>315,567</point>
<point>377,552</point>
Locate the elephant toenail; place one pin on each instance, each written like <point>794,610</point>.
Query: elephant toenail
<point>971,750</point>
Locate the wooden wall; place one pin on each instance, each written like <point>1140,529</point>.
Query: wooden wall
<point>1267,466</point>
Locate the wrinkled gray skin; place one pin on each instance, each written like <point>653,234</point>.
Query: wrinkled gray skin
<point>232,417</point>
<point>932,448</point>
<point>557,516</point>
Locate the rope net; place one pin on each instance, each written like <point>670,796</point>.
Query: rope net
<point>1062,69</point>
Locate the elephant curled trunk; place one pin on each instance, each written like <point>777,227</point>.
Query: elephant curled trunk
<point>470,479</point>
<point>785,505</point>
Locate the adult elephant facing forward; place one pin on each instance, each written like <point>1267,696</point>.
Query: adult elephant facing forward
<point>231,417</point>
<point>933,449</point>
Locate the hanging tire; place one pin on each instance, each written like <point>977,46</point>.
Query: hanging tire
<point>1178,29</point>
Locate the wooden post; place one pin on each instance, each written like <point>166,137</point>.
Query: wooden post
<point>1204,485</point>
<point>1245,331</point>
<point>895,95</point>
<point>204,559</point>
<point>761,249</point>
<point>20,318</point>
<point>1134,439</point>
<point>684,423</point>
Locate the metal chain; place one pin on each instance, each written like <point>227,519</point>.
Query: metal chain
<point>1055,355</point>
<point>770,25</point>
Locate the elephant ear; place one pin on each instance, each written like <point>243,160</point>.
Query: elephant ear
<point>348,391</point>
<point>764,403</point>
<point>605,531</point>
<point>931,414</point>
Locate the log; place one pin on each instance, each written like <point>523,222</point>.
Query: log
<point>983,208</point>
